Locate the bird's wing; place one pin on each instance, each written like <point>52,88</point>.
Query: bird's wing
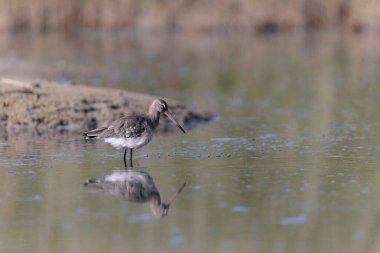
<point>128,126</point>
<point>95,133</point>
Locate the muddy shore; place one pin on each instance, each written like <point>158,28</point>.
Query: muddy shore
<point>41,106</point>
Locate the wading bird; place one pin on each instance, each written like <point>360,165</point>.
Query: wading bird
<point>131,132</point>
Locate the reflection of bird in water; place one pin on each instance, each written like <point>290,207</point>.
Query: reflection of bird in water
<point>134,186</point>
<point>133,131</point>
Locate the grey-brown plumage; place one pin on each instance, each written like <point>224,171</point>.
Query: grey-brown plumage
<point>135,186</point>
<point>125,127</point>
<point>133,131</point>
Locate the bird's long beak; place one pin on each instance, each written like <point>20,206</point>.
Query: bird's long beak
<point>174,121</point>
<point>174,196</point>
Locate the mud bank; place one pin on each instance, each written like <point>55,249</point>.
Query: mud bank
<point>41,106</point>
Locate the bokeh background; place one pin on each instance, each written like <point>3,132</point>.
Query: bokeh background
<point>289,165</point>
<point>189,16</point>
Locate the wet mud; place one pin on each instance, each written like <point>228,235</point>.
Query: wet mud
<point>41,106</point>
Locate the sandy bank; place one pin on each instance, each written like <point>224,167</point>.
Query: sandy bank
<point>44,106</point>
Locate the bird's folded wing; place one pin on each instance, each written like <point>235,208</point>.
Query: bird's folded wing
<point>126,127</point>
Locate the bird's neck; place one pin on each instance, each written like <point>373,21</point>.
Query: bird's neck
<point>154,116</point>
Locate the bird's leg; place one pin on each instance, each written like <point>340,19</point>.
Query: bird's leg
<point>125,160</point>
<point>130,158</point>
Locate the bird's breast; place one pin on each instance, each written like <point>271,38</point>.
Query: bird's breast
<point>130,142</point>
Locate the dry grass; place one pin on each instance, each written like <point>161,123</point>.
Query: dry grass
<point>191,16</point>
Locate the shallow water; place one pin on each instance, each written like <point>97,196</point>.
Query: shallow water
<point>289,165</point>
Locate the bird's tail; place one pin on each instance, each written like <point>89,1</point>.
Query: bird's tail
<point>94,133</point>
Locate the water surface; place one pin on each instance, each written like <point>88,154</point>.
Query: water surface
<point>289,165</point>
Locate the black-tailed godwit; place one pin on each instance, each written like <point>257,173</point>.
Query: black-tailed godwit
<point>131,132</point>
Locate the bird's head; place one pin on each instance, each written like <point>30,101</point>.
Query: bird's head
<point>161,106</point>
